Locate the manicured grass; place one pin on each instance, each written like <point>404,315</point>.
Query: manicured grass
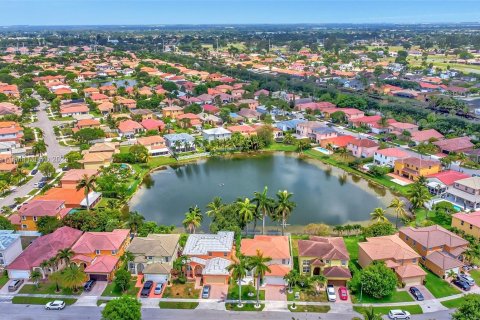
<point>182,291</point>
<point>439,287</point>
<point>413,309</point>
<point>281,147</point>
<point>352,246</point>
<point>318,309</point>
<point>246,290</point>
<point>47,288</point>
<point>39,300</point>
<point>178,305</point>
<point>100,302</point>
<point>397,296</point>
<point>308,295</point>
<point>3,280</point>
<point>246,307</point>
<point>112,291</point>
<point>475,274</point>
<point>454,303</point>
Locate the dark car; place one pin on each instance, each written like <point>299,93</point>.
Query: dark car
<point>147,287</point>
<point>89,285</point>
<point>34,172</point>
<point>416,294</point>
<point>461,284</point>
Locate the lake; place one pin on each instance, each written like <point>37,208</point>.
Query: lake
<point>323,194</point>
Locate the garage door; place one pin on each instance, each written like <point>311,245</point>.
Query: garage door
<point>214,279</point>
<point>412,281</point>
<point>99,277</point>
<point>18,274</point>
<point>156,277</point>
<point>274,280</point>
<point>339,283</point>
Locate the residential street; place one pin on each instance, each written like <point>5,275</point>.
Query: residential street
<point>55,152</point>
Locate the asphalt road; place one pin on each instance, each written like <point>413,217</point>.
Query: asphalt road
<point>36,312</point>
<point>55,153</point>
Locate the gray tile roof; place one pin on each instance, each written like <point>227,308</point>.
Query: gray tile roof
<point>202,244</point>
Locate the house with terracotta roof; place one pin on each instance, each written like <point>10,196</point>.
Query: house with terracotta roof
<point>455,145</point>
<point>337,142</point>
<point>72,177</point>
<point>396,255</point>
<point>306,129</point>
<point>7,108</point>
<point>188,120</point>
<point>28,215</point>
<point>426,136</point>
<point>99,252</point>
<point>155,144</point>
<point>154,256</point>
<point>87,123</point>
<point>144,113</point>
<point>388,156</point>
<point>129,128</point>
<point>73,198</point>
<point>172,112</point>
<point>325,256</point>
<point>440,250</point>
<point>249,114</point>
<point>209,256</point>
<point>398,128</point>
<point>72,109</point>
<point>99,98</point>
<point>465,193</point>
<point>106,107</point>
<point>10,131</point>
<point>96,160</point>
<point>314,106</point>
<point>468,222</point>
<point>208,108</point>
<point>243,129</point>
<point>275,247</point>
<point>438,183</point>
<point>41,249</point>
<point>362,148</point>
<point>153,124</point>
<point>412,167</point>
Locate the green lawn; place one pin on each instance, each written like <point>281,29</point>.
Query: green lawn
<point>178,305</point>
<point>454,303</point>
<point>352,246</point>
<point>47,288</point>
<point>112,291</point>
<point>246,290</point>
<point>414,309</point>
<point>246,307</point>
<point>100,302</point>
<point>317,309</point>
<point>439,287</point>
<point>182,291</point>
<point>475,274</point>
<point>308,295</point>
<point>397,296</point>
<point>281,147</point>
<point>38,300</point>
<point>3,280</point>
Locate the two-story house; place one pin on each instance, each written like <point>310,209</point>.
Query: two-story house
<point>219,133</point>
<point>209,257</point>
<point>27,216</point>
<point>306,129</point>
<point>388,156</point>
<point>396,254</point>
<point>362,148</point>
<point>322,133</point>
<point>180,142</point>
<point>466,193</point>
<point>413,167</point>
<point>327,256</point>
<point>440,250</point>
<point>275,247</point>
<point>468,223</point>
<point>10,247</point>
<point>172,112</point>
<point>155,144</point>
<point>99,252</point>
<point>154,256</point>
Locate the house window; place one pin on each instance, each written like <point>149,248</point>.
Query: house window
<point>114,251</point>
<point>1,255</point>
<point>471,227</point>
<point>423,258</point>
<point>24,218</point>
<point>424,248</point>
<point>414,260</point>
<point>166,259</point>
<point>97,251</point>
<point>407,238</point>
<point>344,262</point>
<point>225,254</point>
<point>462,223</point>
<point>35,218</point>
<point>327,261</point>
<point>24,226</point>
<point>306,266</point>
<point>284,261</point>
<point>150,258</point>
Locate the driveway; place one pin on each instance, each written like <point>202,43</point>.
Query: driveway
<point>275,293</point>
<point>426,294</point>
<point>218,291</point>
<point>97,289</point>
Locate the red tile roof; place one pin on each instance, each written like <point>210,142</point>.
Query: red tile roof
<point>448,177</point>
<point>470,218</point>
<point>102,264</point>
<point>108,241</point>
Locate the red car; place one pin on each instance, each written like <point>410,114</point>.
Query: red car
<point>343,293</point>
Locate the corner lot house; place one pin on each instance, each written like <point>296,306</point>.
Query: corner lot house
<point>154,256</point>
<point>42,248</point>
<point>209,256</point>
<point>440,249</point>
<point>275,247</point>
<point>396,254</point>
<point>327,256</point>
<point>99,252</point>
<point>10,247</point>
<point>468,223</point>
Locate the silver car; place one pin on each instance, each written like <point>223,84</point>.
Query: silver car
<point>398,314</point>
<point>158,288</point>
<point>55,305</point>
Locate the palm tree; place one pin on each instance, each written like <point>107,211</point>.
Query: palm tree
<point>369,314</point>
<point>348,228</point>
<point>35,276</point>
<point>3,186</point>
<point>451,274</point>
<point>319,281</point>
<point>44,266</point>
<point>343,153</point>
<point>246,210</point>
<point>292,278</point>
<point>57,278</point>
<point>264,204</point>
<point>399,207</point>
<point>239,271</point>
<point>39,147</point>
<point>338,229</point>
<point>53,262</point>
<point>214,207</point>
<point>88,183</point>
<point>284,206</point>
<point>258,264</point>
<point>135,220</point>
<point>378,214</point>
<point>73,277</point>
<point>418,195</point>
<point>65,255</point>
<point>193,219</point>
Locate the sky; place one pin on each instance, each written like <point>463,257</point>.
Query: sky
<point>168,12</point>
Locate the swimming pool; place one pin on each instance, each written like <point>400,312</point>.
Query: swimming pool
<point>323,150</point>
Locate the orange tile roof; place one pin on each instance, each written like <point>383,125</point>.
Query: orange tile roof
<point>275,247</point>
<point>72,197</point>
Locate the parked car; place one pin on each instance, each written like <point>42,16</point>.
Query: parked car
<point>461,284</point>
<point>15,285</point>
<point>89,285</point>
<point>467,279</point>
<point>41,185</point>
<point>158,288</point>
<point>206,291</point>
<point>398,314</point>
<point>416,293</point>
<point>55,305</point>
<point>331,293</point>
<point>34,172</point>
<point>343,293</point>
<point>147,287</point>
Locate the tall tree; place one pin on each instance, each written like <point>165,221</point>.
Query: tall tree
<point>284,206</point>
<point>88,184</point>
<point>35,276</point>
<point>239,271</point>
<point>264,205</point>
<point>246,210</point>
<point>214,207</point>
<point>399,207</point>
<point>123,308</point>
<point>73,277</point>
<point>378,215</point>
<point>135,220</point>
<point>193,219</point>
<point>65,255</point>
<point>259,265</point>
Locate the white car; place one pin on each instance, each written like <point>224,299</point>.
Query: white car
<point>398,314</point>
<point>55,305</point>
<point>331,293</point>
